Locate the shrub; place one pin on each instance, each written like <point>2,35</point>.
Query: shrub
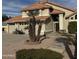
<point>72,27</point>
<point>37,54</point>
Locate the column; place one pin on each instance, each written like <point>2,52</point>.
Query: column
<point>17,26</point>
<point>8,28</point>
<point>54,28</point>
<point>61,22</point>
<point>42,29</point>
<point>40,12</point>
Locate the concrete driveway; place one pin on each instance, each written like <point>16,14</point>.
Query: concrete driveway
<point>12,43</point>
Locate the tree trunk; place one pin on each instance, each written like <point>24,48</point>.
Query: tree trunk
<point>32,28</point>
<point>39,31</point>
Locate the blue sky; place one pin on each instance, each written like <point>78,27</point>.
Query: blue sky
<point>13,7</point>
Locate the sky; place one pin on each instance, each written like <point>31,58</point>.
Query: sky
<point>13,7</point>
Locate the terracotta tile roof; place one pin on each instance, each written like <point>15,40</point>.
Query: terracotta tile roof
<point>15,19</point>
<point>56,4</point>
<point>71,15</point>
<point>55,11</point>
<point>35,6</point>
<point>25,19</point>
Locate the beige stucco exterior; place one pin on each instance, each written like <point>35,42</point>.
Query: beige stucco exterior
<point>5,28</point>
<point>24,14</point>
<point>12,28</point>
<point>44,12</point>
<point>64,23</point>
<point>49,24</point>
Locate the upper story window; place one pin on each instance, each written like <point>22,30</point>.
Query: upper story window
<point>75,16</point>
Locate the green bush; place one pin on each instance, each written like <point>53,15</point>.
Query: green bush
<point>72,27</point>
<point>37,54</point>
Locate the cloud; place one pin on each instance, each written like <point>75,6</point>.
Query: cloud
<point>11,13</point>
<point>13,7</point>
<point>10,8</point>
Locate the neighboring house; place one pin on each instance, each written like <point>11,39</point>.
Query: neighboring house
<point>54,18</point>
<point>4,26</point>
<point>72,17</point>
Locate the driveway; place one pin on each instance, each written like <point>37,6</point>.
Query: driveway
<point>12,43</point>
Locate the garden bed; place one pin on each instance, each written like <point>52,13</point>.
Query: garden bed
<point>37,54</point>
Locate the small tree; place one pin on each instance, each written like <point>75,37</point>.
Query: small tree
<point>4,17</point>
<point>72,27</point>
<point>32,25</point>
<point>72,40</point>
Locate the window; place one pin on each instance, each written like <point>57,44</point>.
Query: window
<point>75,16</point>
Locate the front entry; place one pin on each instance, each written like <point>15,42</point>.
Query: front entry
<point>55,18</point>
<point>57,27</point>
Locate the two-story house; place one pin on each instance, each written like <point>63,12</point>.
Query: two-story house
<point>54,18</point>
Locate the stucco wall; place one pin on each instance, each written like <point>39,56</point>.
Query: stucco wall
<point>11,28</point>
<point>49,25</point>
<point>24,14</point>
<point>5,28</point>
<point>22,27</point>
<point>45,12</point>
